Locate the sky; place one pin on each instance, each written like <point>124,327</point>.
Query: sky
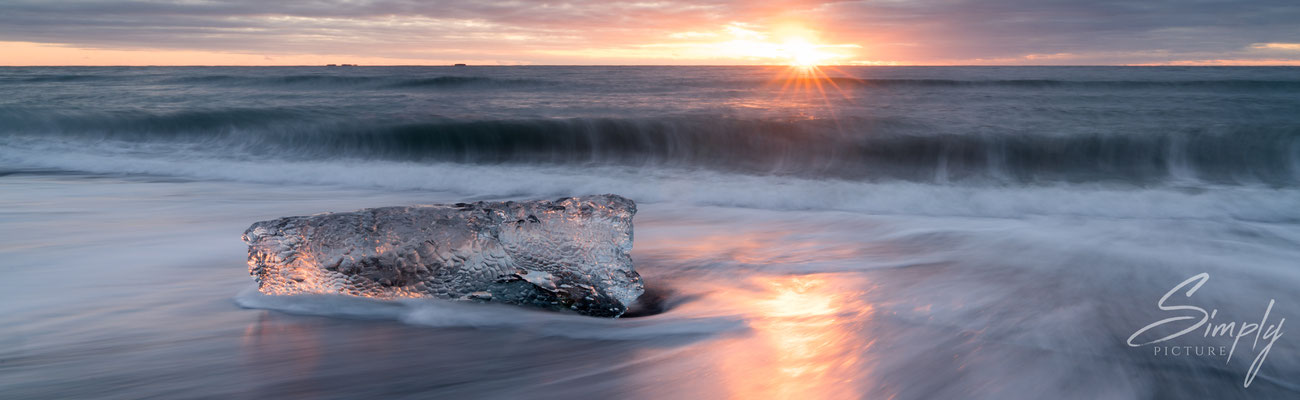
<point>647,32</point>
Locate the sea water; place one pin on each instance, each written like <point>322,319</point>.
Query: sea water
<point>840,232</point>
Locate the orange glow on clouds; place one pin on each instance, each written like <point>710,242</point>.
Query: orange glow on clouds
<point>729,44</point>
<point>28,54</point>
<point>734,43</point>
<point>659,33</point>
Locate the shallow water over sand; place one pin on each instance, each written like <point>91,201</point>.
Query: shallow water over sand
<point>128,288</point>
<point>908,233</point>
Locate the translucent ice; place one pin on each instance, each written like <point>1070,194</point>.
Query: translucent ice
<point>570,253</point>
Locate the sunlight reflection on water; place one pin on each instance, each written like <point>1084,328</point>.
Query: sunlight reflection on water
<point>805,341</point>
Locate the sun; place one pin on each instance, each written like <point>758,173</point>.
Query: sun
<point>800,53</point>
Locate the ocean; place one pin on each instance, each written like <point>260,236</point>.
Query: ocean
<point>830,233</point>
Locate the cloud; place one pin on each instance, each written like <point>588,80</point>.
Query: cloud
<point>1093,30</point>
<point>618,31</point>
<point>1277,46</point>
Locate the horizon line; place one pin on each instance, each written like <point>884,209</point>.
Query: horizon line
<point>652,65</point>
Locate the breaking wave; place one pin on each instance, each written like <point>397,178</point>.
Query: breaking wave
<point>849,148</point>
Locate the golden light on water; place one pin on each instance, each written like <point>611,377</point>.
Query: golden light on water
<point>806,336</point>
<point>757,247</point>
<point>806,341</point>
<point>809,84</point>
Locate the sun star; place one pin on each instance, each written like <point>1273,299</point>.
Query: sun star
<point>800,53</point>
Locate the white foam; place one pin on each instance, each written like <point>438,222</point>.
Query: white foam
<point>695,187</point>
<point>446,313</point>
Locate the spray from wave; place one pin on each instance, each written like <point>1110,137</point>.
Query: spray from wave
<point>853,148</point>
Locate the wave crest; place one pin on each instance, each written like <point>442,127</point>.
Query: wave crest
<point>851,148</point>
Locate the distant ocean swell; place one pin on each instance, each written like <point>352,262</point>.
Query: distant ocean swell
<point>346,81</point>
<point>842,83</point>
<point>325,81</point>
<point>851,148</point>
<point>1243,84</point>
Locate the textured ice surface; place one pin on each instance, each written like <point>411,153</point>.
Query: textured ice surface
<point>570,253</point>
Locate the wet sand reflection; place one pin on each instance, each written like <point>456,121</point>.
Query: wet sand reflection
<point>287,350</point>
<point>806,341</point>
<point>807,331</point>
<point>792,245</point>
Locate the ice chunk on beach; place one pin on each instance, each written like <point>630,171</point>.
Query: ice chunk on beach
<point>571,253</point>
